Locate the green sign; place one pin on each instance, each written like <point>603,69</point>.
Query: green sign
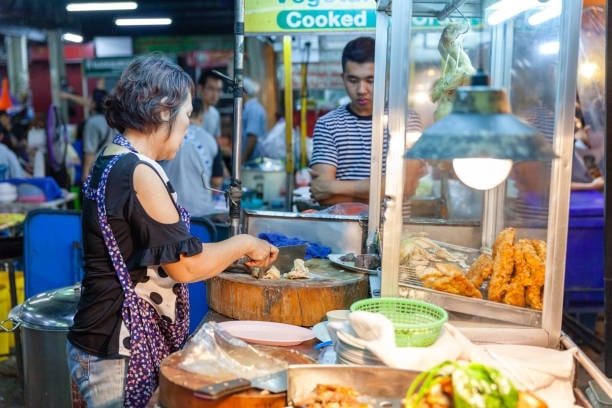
<point>307,16</point>
<point>110,67</point>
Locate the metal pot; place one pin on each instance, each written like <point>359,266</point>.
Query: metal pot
<point>266,176</point>
<point>44,320</point>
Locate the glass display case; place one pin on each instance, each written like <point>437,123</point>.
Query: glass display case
<point>497,254</point>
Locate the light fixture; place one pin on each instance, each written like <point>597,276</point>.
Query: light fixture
<point>142,21</point>
<point>99,6</point>
<point>551,10</point>
<point>481,126</point>
<point>71,37</point>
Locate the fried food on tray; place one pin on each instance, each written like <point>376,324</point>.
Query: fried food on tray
<point>480,270</point>
<point>420,250</point>
<point>540,247</point>
<point>331,396</point>
<point>533,297</point>
<point>503,266</point>
<point>515,294</point>
<point>506,236</point>
<point>514,274</point>
<point>450,279</point>
<point>455,284</point>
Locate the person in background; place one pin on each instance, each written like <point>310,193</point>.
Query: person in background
<point>254,122</point>
<point>9,162</point>
<point>196,167</point>
<point>587,165</point>
<point>210,87</point>
<point>18,146</point>
<point>138,252</point>
<point>96,132</point>
<point>342,138</point>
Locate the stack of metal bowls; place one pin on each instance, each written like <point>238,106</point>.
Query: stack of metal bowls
<point>348,351</point>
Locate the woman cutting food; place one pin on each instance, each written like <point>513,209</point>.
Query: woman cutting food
<point>139,254</point>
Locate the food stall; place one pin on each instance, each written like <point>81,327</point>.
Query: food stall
<point>509,217</point>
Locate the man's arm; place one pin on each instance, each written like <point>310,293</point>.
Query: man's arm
<point>251,142</point>
<point>326,190</point>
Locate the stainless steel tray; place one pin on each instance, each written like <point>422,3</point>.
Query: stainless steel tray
<point>382,386</point>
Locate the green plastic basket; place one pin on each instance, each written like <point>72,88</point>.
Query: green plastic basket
<point>416,323</point>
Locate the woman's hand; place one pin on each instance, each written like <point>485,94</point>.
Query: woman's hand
<point>262,255</point>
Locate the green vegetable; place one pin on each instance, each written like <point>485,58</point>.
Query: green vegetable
<point>474,386</point>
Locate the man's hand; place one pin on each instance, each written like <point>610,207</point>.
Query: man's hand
<point>320,184</point>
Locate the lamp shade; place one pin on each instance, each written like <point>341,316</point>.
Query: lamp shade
<point>481,126</point>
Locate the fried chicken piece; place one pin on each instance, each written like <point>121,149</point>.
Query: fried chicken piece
<point>480,270</point>
<point>455,284</point>
<point>449,269</point>
<point>540,247</point>
<point>522,269</point>
<point>503,267</point>
<point>533,297</point>
<point>425,272</point>
<point>515,294</point>
<point>537,266</point>
<point>506,236</point>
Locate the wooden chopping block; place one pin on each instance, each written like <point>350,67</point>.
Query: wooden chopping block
<point>177,386</point>
<point>301,302</point>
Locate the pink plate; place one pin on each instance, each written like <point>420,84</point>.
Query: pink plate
<point>268,333</point>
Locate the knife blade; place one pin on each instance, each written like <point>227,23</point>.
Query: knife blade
<point>273,382</point>
<point>287,254</point>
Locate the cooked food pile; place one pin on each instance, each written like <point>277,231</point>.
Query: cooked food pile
<point>331,396</point>
<point>299,271</point>
<point>365,261</point>
<point>512,274</point>
<point>461,384</point>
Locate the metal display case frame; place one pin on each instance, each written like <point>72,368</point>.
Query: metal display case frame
<point>476,318</point>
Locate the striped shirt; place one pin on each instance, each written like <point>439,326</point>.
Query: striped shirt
<point>343,139</point>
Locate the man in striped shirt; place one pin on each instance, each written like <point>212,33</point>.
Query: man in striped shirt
<point>342,139</point>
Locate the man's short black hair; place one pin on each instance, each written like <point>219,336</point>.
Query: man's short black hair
<point>208,73</point>
<point>359,50</point>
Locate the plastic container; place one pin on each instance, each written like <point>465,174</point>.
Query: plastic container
<point>416,323</point>
<point>4,336</point>
<point>584,264</point>
<point>5,307</point>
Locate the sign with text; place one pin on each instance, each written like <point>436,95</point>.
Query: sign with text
<point>307,16</point>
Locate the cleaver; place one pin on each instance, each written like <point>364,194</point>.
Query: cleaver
<point>273,382</point>
<point>284,261</point>
<point>274,379</point>
<point>287,254</point>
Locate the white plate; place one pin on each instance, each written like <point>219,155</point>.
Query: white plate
<point>320,331</point>
<point>268,333</point>
<point>350,265</point>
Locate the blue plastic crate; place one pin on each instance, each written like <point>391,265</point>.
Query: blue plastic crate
<point>584,267</point>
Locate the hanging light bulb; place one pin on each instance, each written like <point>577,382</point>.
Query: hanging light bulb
<point>482,173</point>
<point>481,137</point>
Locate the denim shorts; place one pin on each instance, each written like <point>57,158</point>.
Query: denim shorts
<point>100,381</point>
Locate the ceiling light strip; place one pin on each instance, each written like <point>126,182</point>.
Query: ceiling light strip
<point>121,5</point>
<point>142,21</point>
